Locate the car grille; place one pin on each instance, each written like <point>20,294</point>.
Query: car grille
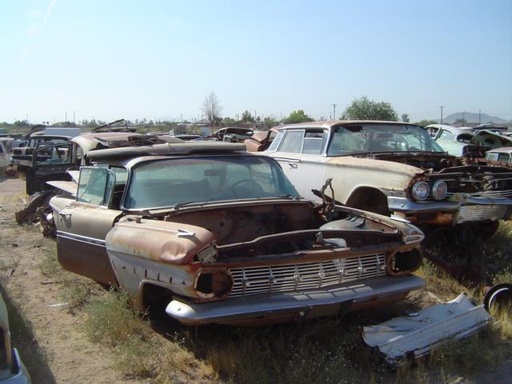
<point>482,212</point>
<point>303,276</point>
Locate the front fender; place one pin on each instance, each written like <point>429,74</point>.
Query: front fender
<point>160,241</point>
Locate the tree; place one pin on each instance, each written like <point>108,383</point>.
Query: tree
<point>269,122</point>
<point>211,109</point>
<point>247,117</point>
<point>297,117</point>
<point>365,109</point>
<point>228,122</point>
<point>405,118</point>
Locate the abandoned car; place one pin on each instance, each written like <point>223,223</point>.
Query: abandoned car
<point>231,134</point>
<point>502,155</point>
<point>220,235</point>
<point>467,141</point>
<point>5,158</point>
<point>395,169</point>
<point>53,160</point>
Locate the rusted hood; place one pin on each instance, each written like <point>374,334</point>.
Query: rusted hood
<point>157,240</point>
<point>411,160</point>
<point>391,165</point>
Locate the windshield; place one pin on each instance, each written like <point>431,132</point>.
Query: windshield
<point>170,182</point>
<point>362,138</point>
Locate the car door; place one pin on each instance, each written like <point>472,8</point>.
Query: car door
<point>50,162</point>
<point>82,225</point>
<point>300,153</point>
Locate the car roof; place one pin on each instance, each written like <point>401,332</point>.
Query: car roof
<point>501,150</point>
<point>173,148</point>
<point>91,141</point>
<point>335,123</point>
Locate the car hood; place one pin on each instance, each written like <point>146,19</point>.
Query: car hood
<point>408,163</point>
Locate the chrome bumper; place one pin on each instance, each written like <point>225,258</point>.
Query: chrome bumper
<point>301,305</point>
<point>466,209</point>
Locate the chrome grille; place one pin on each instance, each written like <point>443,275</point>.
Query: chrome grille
<point>482,212</point>
<point>296,277</point>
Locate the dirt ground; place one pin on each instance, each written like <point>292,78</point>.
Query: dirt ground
<point>58,351</point>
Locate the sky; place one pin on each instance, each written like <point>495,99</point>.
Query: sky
<point>79,60</point>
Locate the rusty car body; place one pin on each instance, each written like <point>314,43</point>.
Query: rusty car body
<point>394,169</point>
<point>231,134</point>
<point>220,235</point>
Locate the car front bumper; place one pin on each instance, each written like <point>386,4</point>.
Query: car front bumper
<point>467,209</point>
<point>296,306</point>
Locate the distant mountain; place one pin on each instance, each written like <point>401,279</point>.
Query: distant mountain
<point>475,118</point>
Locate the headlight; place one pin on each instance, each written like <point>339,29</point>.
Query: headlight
<point>439,190</point>
<point>403,262</point>
<point>214,283</point>
<point>420,190</point>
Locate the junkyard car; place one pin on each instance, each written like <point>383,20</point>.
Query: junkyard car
<point>502,155</point>
<point>12,369</point>
<point>394,169</point>
<point>221,236</point>
<point>467,141</point>
<point>50,161</point>
<point>5,158</point>
<point>231,134</point>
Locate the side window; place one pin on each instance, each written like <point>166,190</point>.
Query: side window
<point>292,142</point>
<point>53,154</point>
<point>313,142</point>
<point>95,185</point>
<point>275,141</point>
<point>504,157</point>
<point>447,136</point>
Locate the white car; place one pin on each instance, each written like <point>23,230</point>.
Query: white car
<point>395,169</point>
<point>502,155</point>
<point>5,157</point>
<point>467,141</point>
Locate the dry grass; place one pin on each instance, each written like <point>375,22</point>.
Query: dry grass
<point>323,351</point>
<point>139,352</point>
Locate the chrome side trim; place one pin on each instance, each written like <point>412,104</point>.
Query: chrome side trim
<point>80,238</point>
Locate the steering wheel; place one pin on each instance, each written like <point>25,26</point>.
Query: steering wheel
<point>246,188</point>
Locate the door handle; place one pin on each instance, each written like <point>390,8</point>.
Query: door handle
<point>293,165</point>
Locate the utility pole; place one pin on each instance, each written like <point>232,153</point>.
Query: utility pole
<point>334,111</point>
<point>441,106</point>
